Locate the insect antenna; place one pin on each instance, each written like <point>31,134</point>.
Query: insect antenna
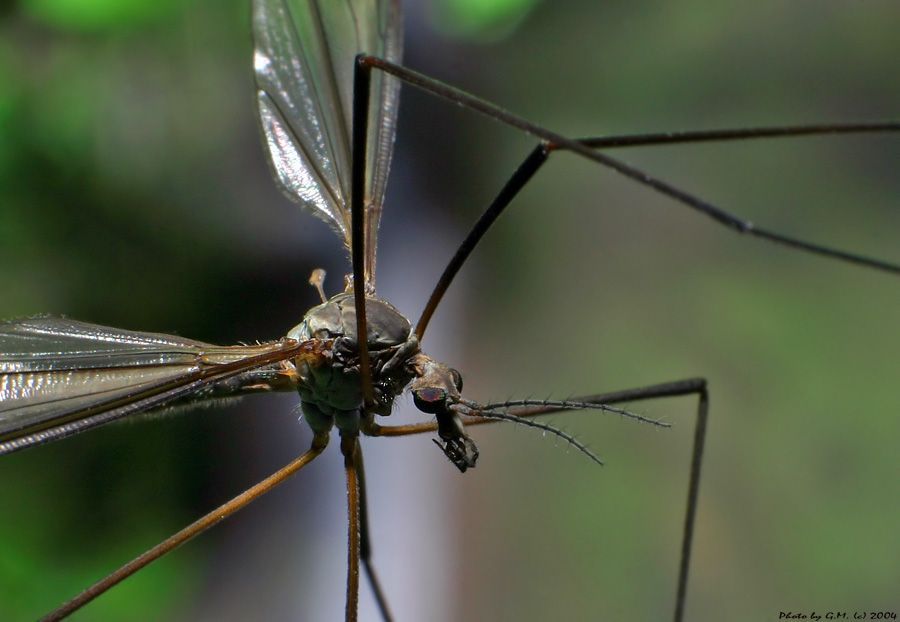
<point>691,386</point>
<point>559,405</point>
<point>529,423</point>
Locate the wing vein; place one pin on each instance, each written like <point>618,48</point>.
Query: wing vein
<point>313,166</point>
<point>331,77</point>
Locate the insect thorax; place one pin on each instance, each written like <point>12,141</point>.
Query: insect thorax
<point>330,391</point>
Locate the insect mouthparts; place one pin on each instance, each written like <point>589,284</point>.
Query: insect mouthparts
<point>461,451</point>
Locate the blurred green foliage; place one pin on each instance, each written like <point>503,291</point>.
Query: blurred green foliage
<point>89,106</point>
<point>99,15</point>
<point>481,19</point>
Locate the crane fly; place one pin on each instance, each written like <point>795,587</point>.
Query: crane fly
<point>328,118</point>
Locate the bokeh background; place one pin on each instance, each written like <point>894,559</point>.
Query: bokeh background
<point>133,192</point>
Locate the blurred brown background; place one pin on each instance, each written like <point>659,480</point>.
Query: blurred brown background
<point>133,192</point>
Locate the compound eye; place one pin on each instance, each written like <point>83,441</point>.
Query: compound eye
<point>430,400</point>
<point>457,379</point>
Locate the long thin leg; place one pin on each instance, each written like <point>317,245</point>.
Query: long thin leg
<point>539,155</point>
<point>519,178</point>
<point>693,495</point>
<point>365,542</point>
<point>557,141</point>
<point>362,81</point>
<point>786,131</point>
<point>357,506</point>
<point>349,448</point>
<point>189,532</point>
<point>693,386</point>
<point>677,388</point>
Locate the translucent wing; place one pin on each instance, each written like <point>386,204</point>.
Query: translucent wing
<point>59,376</point>
<point>303,60</point>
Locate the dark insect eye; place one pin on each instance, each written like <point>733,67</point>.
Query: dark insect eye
<point>457,379</point>
<point>430,400</point>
